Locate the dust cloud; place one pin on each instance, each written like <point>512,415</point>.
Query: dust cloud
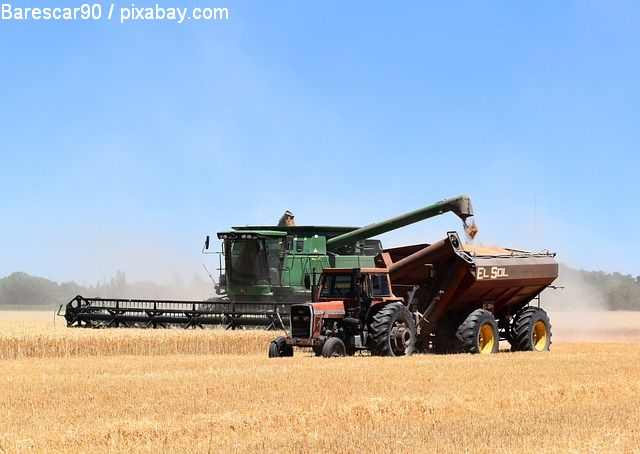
<point>577,295</point>
<point>139,265</point>
<point>178,288</point>
<point>578,312</point>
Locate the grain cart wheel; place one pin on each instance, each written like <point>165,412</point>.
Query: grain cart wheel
<point>393,331</point>
<point>334,347</point>
<point>479,333</point>
<point>279,348</point>
<point>531,330</point>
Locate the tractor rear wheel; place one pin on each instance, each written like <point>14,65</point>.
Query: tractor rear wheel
<point>333,347</point>
<point>393,331</point>
<point>479,333</point>
<point>531,330</point>
<point>279,348</point>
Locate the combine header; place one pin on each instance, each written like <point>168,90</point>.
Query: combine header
<point>265,270</point>
<point>144,313</point>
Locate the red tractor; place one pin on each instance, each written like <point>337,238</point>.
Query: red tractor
<point>354,309</point>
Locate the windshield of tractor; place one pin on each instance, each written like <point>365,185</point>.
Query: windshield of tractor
<point>254,261</point>
<point>380,285</point>
<point>338,286</point>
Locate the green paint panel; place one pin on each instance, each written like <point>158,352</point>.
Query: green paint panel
<point>354,261</point>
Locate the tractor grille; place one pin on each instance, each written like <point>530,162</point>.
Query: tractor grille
<point>301,321</point>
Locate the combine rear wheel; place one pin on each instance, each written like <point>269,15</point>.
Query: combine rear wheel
<point>334,347</point>
<point>531,330</point>
<point>279,348</point>
<point>479,333</point>
<point>393,331</point>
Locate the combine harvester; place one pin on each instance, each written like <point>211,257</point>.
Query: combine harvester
<point>445,297</point>
<point>266,269</point>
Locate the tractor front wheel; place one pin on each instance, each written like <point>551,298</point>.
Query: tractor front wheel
<point>334,347</point>
<point>393,331</point>
<point>479,333</point>
<point>279,348</point>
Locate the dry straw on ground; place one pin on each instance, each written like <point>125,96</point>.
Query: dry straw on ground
<point>581,397</point>
<point>38,340</point>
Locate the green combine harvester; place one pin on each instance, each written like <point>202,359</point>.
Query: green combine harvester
<point>263,271</point>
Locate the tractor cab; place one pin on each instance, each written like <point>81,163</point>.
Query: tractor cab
<point>357,288</point>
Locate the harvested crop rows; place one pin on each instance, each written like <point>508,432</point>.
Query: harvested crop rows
<point>175,391</point>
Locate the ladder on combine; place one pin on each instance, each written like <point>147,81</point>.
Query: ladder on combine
<point>148,313</point>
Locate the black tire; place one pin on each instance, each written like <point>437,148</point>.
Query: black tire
<point>531,331</point>
<point>333,347</point>
<point>393,331</point>
<point>479,333</point>
<point>317,350</point>
<point>279,348</point>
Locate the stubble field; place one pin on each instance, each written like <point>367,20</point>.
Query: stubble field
<point>82,390</point>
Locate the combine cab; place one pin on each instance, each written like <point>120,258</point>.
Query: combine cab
<point>439,297</point>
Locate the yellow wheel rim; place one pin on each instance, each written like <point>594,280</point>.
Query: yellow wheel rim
<point>486,339</point>
<point>539,336</point>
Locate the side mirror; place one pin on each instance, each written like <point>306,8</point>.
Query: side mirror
<point>307,281</point>
<point>206,242</point>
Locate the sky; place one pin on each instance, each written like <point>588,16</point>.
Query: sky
<point>123,145</point>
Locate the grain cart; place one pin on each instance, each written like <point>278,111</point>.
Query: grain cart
<point>442,297</point>
<point>263,270</point>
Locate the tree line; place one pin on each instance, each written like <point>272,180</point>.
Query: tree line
<point>21,290</point>
<point>582,289</point>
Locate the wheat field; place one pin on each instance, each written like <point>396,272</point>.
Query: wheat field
<point>83,390</point>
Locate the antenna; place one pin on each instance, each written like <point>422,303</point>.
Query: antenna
<point>535,222</point>
<point>210,276</point>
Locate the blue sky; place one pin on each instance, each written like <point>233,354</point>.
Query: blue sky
<point>121,146</point>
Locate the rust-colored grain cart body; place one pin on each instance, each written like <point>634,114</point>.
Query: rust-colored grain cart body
<point>445,282</point>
